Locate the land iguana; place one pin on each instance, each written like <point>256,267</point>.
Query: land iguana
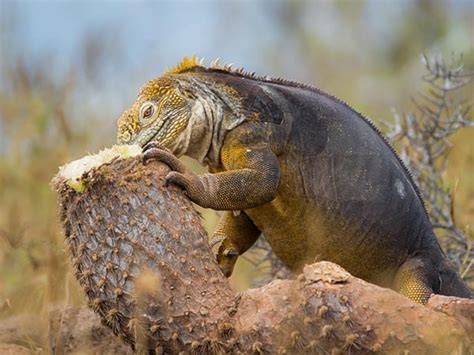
<point>296,164</point>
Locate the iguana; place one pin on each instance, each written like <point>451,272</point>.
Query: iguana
<point>296,164</point>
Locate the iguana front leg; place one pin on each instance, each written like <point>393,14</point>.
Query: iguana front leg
<point>233,236</point>
<point>250,178</point>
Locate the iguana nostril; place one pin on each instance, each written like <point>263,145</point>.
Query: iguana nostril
<point>125,137</point>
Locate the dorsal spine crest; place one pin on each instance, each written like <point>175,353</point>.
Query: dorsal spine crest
<point>186,64</point>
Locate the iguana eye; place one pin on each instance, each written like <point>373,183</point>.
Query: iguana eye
<point>147,111</point>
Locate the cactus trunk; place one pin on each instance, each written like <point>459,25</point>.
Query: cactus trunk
<point>142,257</point>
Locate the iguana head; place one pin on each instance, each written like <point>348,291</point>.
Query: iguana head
<point>181,111</point>
<point>160,113</point>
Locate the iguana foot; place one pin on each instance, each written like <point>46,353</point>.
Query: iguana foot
<point>189,181</point>
<point>154,151</point>
<point>226,254</point>
<point>154,144</point>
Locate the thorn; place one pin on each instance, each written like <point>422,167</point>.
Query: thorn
<point>215,63</point>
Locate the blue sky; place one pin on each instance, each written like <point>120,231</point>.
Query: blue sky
<point>144,37</point>
<point>154,34</point>
<point>159,32</point>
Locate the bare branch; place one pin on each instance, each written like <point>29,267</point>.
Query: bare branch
<point>423,137</point>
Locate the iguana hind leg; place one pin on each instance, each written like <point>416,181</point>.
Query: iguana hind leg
<point>417,279</point>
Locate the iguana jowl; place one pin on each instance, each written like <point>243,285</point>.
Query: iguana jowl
<point>304,168</point>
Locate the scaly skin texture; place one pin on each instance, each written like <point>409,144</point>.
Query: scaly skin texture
<point>296,164</point>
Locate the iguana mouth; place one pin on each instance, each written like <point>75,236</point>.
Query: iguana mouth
<point>149,134</point>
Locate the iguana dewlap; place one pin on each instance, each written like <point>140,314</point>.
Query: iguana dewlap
<point>301,166</point>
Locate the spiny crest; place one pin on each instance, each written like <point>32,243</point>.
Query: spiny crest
<point>185,64</point>
<point>189,63</point>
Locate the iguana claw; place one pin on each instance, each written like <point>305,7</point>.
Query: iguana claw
<point>177,178</point>
<point>226,254</point>
<point>230,253</point>
<point>163,155</point>
<point>154,144</point>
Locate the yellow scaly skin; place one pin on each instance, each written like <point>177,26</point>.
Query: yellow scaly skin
<point>297,164</point>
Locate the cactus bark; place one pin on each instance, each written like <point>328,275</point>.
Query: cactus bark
<point>142,257</point>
